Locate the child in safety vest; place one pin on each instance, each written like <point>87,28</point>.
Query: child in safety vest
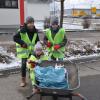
<point>55,39</point>
<point>37,57</point>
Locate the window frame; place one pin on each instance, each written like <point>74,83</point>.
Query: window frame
<point>3,6</point>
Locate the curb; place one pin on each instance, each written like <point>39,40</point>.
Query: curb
<point>9,71</point>
<point>84,59</point>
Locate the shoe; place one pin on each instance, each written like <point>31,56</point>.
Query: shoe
<point>35,90</point>
<point>23,82</point>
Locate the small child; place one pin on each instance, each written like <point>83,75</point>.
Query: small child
<point>37,57</point>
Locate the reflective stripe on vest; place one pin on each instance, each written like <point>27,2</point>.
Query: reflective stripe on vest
<point>23,52</point>
<point>32,77</point>
<point>59,37</point>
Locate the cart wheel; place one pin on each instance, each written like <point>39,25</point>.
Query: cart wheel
<point>55,97</point>
<point>40,97</point>
<point>70,98</point>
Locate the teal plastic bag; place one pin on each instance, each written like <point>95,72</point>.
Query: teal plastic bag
<point>50,77</point>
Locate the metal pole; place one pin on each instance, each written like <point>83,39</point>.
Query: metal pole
<point>21,12</point>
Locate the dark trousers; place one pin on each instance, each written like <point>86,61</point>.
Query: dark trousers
<point>23,67</point>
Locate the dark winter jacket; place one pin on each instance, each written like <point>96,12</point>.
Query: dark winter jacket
<point>24,29</point>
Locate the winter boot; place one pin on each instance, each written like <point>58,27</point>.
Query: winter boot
<point>23,82</point>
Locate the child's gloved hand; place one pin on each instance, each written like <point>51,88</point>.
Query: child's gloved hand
<point>32,63</point>
<point>56,47</point>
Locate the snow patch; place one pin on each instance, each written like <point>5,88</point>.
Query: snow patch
<point>75,50</point>
<point>8,60</point>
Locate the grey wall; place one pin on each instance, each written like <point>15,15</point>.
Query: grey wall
<point>9,17</point>
<point>37,10</point>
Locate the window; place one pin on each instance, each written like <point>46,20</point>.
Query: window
<point>1,3</point>
<point>8,3</point>
<point>15,3</point>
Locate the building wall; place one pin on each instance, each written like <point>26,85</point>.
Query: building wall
<point>37,10</point>
<point>9,17</point>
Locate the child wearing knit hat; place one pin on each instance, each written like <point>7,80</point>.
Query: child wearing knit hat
<point>37,57</point>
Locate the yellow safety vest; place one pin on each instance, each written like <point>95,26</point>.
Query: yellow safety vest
<point>25,52</point>
<point>59,37</point>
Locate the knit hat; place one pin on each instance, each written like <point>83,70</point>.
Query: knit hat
<point>29,19</point>
<point>37,47</point>
<point>54,21</point>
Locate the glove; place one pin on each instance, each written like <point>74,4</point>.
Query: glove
<point>49,44</point>
<point>32,64</point>
<point>56,47</point>
<point>24,45</point>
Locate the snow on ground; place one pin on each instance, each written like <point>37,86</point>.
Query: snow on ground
<point>7,60</point>
<point>72,27</point>
<point>75,50</point>
<point>82,49</point>
<point>67,26</point>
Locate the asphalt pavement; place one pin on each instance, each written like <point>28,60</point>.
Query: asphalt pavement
<point>10,90</point>
<point>89,78</point>
<point>90,75</point>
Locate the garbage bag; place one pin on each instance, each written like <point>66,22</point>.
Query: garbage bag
<point>50,77</point>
